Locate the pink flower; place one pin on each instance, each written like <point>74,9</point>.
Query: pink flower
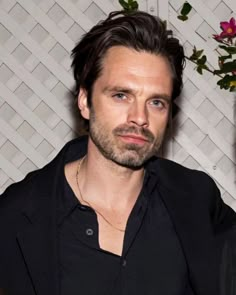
<point>229,28</point>
<point>218,38</point>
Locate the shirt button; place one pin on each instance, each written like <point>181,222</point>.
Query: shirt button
<point>83,208</point>
<point>124,262</point>
<point>89,232</point>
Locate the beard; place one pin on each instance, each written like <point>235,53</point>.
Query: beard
<point>129,155</point>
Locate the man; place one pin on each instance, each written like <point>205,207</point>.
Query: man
<point>106,216</point>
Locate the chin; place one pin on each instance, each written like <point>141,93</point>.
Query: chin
<point>130,161</point>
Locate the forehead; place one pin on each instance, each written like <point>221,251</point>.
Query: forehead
<point>130,57</point>
<point>122,65</point>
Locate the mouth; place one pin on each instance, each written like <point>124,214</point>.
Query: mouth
<point>133,138</point>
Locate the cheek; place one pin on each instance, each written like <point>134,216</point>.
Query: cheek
<point>101,119</point>
<point>158,125</point>
<point>113,115</point>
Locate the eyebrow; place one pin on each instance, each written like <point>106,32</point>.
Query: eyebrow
<point>128,90</point>
<point>118,89</point>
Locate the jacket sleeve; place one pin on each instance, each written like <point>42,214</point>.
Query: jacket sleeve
<point>223,216</point>
<point>224,220</point>
<point>228,264</point>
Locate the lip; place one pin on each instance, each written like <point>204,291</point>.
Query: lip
<point>132,138</point>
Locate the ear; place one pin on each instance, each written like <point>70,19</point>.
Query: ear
<point>83,103</point>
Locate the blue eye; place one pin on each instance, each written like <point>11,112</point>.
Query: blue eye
<point>119,96</point>
<point>157,103</point>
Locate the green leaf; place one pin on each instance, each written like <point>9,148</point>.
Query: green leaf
<point>196,54</point>
<point>227,67</point>
<point>124,4</point>
<point>227,82</point>
<point>223,84</point>
<point>202,60</point>
<point>205,67</point>
<point>186,9</point>
<point>130,6</point>
<point>229,49</point>
<point>182,17</point>
<point>199,53</point>
<point>134,5</point>
<point>199,70</point>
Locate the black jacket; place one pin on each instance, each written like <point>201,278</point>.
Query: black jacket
<point>228,265</point>
<point>28,249</point>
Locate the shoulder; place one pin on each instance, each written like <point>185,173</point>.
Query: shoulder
<point>172,174</point>
<point>200,188</point>
<point>18,191</point>
<point>38,181</point>
<point>18,194</point>
<point>37,187</point>
<point>188,184</point>
<point>16,200</point>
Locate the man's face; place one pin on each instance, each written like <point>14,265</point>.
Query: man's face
<point>130,106</point>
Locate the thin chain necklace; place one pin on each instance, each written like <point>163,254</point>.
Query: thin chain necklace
<point>86,202</point>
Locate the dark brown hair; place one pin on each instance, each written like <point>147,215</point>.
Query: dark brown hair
<point>137,30</point>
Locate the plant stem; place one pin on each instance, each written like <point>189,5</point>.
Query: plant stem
<point>207,69</point>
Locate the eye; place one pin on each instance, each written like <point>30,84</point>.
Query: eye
<point>158,103</point>
<point>119,96</point>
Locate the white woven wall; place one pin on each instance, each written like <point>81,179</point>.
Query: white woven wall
<point>36,38</point>
<point>204,129</point>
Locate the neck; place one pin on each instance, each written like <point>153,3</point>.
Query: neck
<point>108,183</point>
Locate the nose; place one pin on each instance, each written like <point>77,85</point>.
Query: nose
<point>138,115</point>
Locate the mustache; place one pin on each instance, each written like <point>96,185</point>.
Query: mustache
<point>124,129</point>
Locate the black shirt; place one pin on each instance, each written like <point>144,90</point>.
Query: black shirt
<point>152,260</point>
